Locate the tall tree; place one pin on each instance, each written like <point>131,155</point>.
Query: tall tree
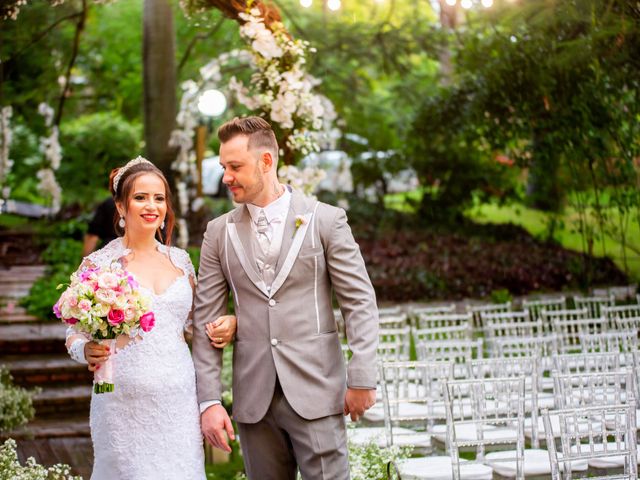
<point>159,75</point>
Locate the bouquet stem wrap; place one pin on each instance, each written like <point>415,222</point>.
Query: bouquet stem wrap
<point>103,377</point>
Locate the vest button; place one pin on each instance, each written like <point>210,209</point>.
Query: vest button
<point>274,341</point>
<point>272,302</point>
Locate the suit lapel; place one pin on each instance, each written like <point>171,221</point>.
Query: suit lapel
<point>239,232</point>
<point>292,239</point>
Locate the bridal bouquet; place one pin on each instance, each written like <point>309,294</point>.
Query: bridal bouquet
<point>104,303</point>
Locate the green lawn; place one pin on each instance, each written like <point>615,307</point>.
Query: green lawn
<point>536,223</point>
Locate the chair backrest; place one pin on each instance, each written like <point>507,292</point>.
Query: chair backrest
<point>594,304</point>
<point>511,324</point>
<point>569,331</point>
<point>614,436</point>
<point>599,362</point>
<point>536,306</point>
<point>494,403</point>
<point>542,347</point>
<point>393,321</point>
<point>515,367</point>
<point>601,388</point>
<point>409,392</point>
<point>622,311</point>
<point>394,344</point>
<point>478,310</point>
<point>627,323</point>
<point>438,320</point>
<point>461,332</point>
<point>432,310</point>
<point>458,352</point>
<point>614,341</point>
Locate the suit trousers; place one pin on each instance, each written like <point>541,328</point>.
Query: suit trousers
<point>276,446</point>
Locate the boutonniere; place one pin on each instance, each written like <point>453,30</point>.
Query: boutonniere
<point>300,220</point>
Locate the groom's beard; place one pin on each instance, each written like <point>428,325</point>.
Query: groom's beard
<point>250,192</point>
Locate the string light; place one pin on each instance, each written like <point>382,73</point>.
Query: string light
<point>334,4</point>
<point>466,4</point>
<point>451,3</point>
<point>487,3</point>
<point>306,3</point>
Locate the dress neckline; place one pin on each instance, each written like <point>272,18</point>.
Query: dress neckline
<point>162,248</point>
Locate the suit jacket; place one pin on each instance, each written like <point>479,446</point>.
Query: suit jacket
<point>289,330</point>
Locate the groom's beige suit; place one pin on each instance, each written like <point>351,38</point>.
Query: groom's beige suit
<point>286,342</point>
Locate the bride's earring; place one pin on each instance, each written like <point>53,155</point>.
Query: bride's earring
<point>121,222</point>
<point>162,225</point>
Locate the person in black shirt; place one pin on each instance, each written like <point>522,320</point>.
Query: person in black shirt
<point>101,228</point>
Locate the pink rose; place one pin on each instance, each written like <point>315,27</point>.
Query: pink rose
<point>147,321</point>
<point>73,302</point>
<point>71,321</point>
<point>116,317</point>
<point>84,305</point>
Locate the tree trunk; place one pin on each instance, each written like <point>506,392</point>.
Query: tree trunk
<point>159,74</point>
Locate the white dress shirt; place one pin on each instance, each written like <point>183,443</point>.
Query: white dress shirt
<point>276,213</point>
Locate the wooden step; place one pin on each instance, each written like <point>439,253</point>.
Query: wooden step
<point>58,427</point>
<point>42,370</point>
<point>63,400</point>
<point>77,452</point>
<point>11,312</point>
<point>36,338</point>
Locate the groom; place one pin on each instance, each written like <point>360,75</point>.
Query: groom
<point>281,254</point>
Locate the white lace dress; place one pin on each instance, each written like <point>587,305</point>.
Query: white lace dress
<point>149,427</point>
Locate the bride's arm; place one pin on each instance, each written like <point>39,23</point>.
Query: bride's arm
<point>221,332</point>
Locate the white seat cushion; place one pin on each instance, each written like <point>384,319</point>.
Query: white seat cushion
<point>536,462</point>
<point>440,468</point>
<point>468,432</point>
<point>401,436</point>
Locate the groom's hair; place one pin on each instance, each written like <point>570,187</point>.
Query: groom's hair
<point>257,129</point>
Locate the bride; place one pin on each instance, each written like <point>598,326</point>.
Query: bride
<point>149,427</point>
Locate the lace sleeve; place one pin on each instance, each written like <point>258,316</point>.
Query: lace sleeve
<point>181,259</point>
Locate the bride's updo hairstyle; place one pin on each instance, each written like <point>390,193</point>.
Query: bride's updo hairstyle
<point>121,182</point>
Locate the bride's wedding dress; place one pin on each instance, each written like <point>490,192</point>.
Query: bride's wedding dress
<point>149,427</point>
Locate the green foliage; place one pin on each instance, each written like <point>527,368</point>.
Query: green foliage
<point>16,404</point>
<point>501,295</point>
<point>93,145</point>
<point>369,462</point>
<point>62,257</point>
<point>11,468</point>
<point>452,159</point>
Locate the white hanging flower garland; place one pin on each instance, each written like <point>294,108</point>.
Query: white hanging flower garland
<point>280,89</point>
<point>6,137</point>
<point>50,148</point>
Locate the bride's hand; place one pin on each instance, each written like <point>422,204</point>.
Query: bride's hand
<point>221,331</point>
<point>96,354</point>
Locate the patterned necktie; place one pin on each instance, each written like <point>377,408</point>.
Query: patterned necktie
<point>263,239</point>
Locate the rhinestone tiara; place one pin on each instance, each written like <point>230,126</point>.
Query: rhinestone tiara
<point>121,171</point>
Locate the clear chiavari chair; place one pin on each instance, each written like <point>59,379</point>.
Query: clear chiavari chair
<point>535,307</point>
<point>613,446</point>
<point>622,341</point>
<point>621,311</point>
<point>457,352</point>
<point>440,320</point>
<point>594,304</point>
<point>478,310</point>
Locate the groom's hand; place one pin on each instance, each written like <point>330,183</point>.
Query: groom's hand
<point>215,422</point>
<point>358,401</point>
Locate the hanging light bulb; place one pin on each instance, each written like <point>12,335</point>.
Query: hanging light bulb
<point>487,3</point>
<point>466,4</point>
<point>306,3</point>
<point>334,4</point>
<point>451,3</point>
